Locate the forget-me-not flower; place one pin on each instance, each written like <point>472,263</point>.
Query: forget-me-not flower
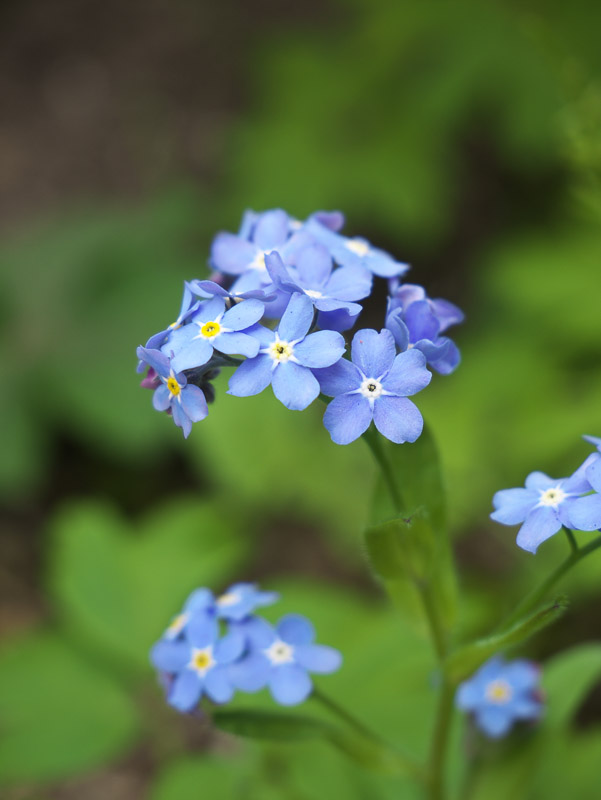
<point>188,307</point>
<point>374,386</point>
<point>281,659</point>
<point>501,693</point>
<point>214,328</point>
<point>185,402</point>
<point>546,505</point>
<point>287,356</point>
<point>241,600</point>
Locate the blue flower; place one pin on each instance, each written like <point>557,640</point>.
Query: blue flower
<point>287,356</point>
<point>188,307</point>
<point>374,386</point>
<point>211,288</point>
<point>185,402</point>
<point>200,601</point>
<point>501,693</point>
<point>354,252</point>
<point>329,291</point>
<point>547,504</point>
<point>417,321</point>
<point>281,659</point>
<point>212,327</point>
<point>198,663</point>
<point>241,599</point>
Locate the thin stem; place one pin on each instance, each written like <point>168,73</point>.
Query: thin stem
<point>374,442</point>
<point>571,539</point>
<point>440,740</point>
<point>437,630</point>
<point>345,715</point>
<point>537,595</point>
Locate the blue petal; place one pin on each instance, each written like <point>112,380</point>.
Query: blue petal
<point>522,675</point>
<point>373,352</point>
<point>314,266</point>
<point>494,721</point>
<point>297,318</point>
<point>279,274</point>
<point>230,254</point>
<point>349,283</point>
<point>596,440</point>
<point>513,505</point>
<point>249,220</point>
<point>341,377</point>
<point>469,695</point>
<point>185,691</point>
<point>243,315</point>
<point>199,600</point>
<point>202,630</point>
<point>447,313</point>
<point>181,419</point>
<point>191,352</point>
<point>395,324</point>
<point>161,399</point>
<point>251,377</point>
<point>447,357</point>
<point>321,349</point>
<point>295,629</point>
<point>398,419</point>
<point>541,524</point>
<point>237,342</point>
<point>408,374</point>
<point>155,359</point>
<point>294,386</point>
<point>229,648</point>
<point>217,685</point>
<point>347,417</point>
<point>421,321</point>
<point>289,684</point>
<point>334,220</point>
<point>318,658</point>
<point>209,311</point>
<point>271,230</point>
<point>540,481</point>
<point>593,474</point>
<point>342,319</point>
<point>194,403</point>
<point>585,513</point>
<point>251,673</point>
<point>526,708</point>
<point>258,633</point>
<point>170,656</point>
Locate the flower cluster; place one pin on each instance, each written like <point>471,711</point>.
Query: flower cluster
<point>547,504</point>
<point>218,645</point>
<point>501,693</point>
<point>281,295</point>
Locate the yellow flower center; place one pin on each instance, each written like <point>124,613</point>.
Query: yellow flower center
<point>281,351</point>
<point>202,660</point>
<point>173,386</point>
<point>258,262</point>
<point>499,692</point>
<point>210,329</point>
<point>358,247</point>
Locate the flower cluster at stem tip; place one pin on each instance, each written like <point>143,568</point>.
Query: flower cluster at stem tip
<point>501,693</point>
<point>545,504</point>
<point>281,295</point>
<point>218,645</point>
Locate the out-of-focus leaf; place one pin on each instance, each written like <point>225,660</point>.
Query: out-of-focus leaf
<point>118,587</point>
<point>567,679</point>
<point>58,714</point>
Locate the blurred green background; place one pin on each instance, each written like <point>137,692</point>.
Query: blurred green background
<point>463,137</point>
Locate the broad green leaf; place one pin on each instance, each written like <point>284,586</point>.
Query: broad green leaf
<point>119,586</point>
<point>59,714</point>
<point>567,679</point>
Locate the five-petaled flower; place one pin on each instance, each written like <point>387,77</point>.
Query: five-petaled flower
<point>374,386</point>
<point>500,693</point>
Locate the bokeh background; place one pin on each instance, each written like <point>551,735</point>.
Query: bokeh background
<point>462,137</point>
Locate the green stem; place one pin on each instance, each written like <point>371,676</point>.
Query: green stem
<point>374,442</point>
<point>437,630</point>
<point>537,595</point>
<point>343,714</point>
<point>440,740</point>
<point>571,539</point>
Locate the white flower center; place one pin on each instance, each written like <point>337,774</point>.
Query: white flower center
<point>357,247</point>
<point>280,652</point>
<point>228,599</point>
<point>499,692</point>
<point>371,388</point>
<point>280,351</point>
<point>552,497</point>
<point>313,293</point>
<point>202,660</point>
<point>258,261</point>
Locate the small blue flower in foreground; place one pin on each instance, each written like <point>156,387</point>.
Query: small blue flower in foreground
<point>241,599</point>
<point>501,693</point>
<point>186,402</point>
<point>287,356</point>
<point>546,505</point>
<point>375,385</point>
<point>281,659</point>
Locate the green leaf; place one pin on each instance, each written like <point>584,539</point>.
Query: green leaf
<point>462,663</point>
<point>567,679</point>
<point>213,776</point>
<point>58,713</point>
<point>118,587</point>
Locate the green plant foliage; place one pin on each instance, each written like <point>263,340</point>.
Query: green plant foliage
<point>117,586</point>
<point>60,714</point>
